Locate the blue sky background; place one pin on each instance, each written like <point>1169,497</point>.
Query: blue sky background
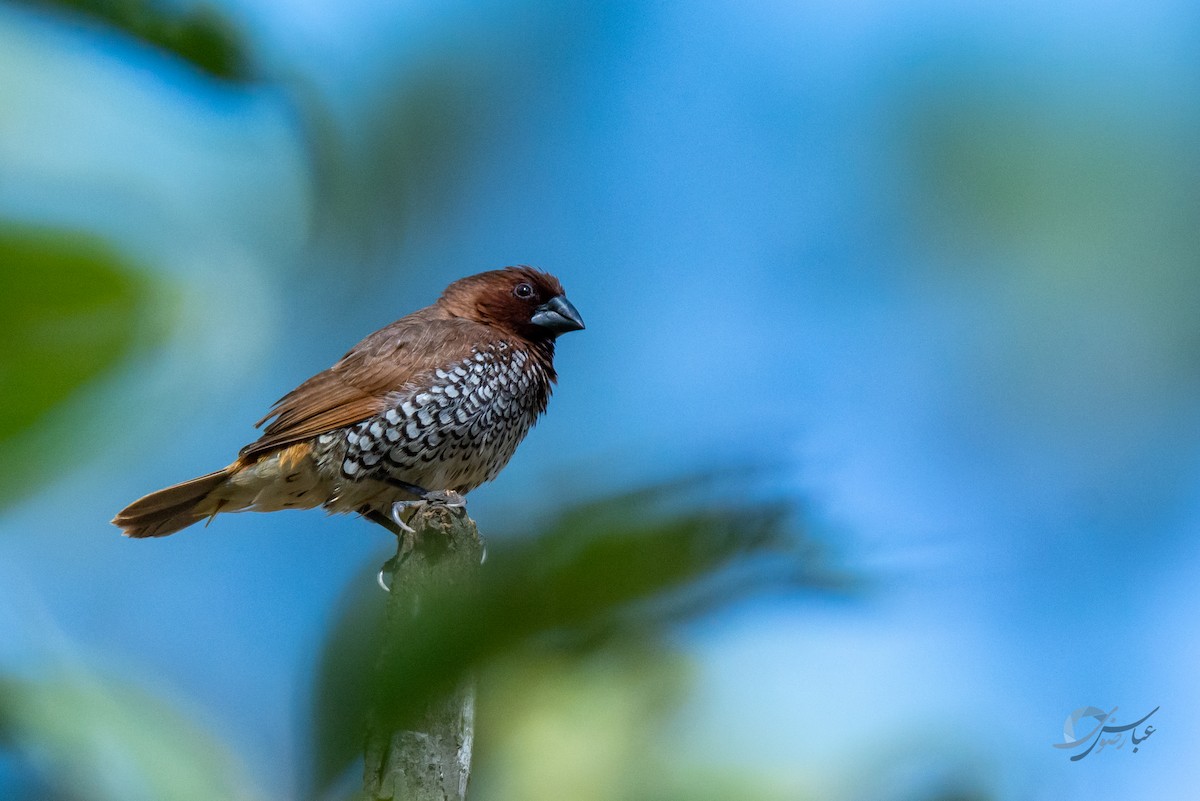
<point>938,261</point>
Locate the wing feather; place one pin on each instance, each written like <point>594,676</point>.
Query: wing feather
<point>360,384</point>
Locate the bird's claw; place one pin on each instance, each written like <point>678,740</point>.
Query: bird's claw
<point>387,567</point>
<point>448,498</point>
<point>398,510</point>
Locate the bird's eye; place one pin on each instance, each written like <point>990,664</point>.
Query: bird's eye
<point>523,291</point>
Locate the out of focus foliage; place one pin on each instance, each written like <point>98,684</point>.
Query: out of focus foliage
<point>596,726</point>
<point>1066,221</point>
<point>71,309</point>
<point>98,739</point>
<point>567,634</point>
<point>406,161</point>
<point>199,35</point>
<point>623,570</point>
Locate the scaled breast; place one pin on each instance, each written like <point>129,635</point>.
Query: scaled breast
<point>456,432</point>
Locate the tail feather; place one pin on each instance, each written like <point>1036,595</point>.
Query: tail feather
<point>169,510</point>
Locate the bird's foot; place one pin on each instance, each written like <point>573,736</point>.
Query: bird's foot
<point>402,511</point>
<point>446,498</point>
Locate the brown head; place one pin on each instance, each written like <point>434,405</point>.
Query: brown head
<point>519,300</point>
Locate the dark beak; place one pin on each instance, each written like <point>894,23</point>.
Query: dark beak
<point>557,316</point>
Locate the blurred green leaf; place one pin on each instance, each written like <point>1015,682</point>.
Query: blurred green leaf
<point>69,312</point>
<point>596,728</point>
<point>405,163</point>
<point>1058,216</point>
<point>200,35</point>
<point>103,740</point>
<point>628,566</point>
<point>1086,182</point>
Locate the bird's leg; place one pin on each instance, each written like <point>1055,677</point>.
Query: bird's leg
<point>424,496</point>
<point>444,497</point>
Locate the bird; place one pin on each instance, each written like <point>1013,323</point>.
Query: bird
<point>425,409</point>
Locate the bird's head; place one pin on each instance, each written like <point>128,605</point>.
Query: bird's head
<point>519,300</point>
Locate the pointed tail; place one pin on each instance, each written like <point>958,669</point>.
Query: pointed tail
<point>168,510</point>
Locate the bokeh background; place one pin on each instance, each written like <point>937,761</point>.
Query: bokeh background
<point>925,275</point>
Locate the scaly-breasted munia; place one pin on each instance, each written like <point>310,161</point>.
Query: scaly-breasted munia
<point>433,405</point>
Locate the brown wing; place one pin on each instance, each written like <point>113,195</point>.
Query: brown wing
<point>358,386</point>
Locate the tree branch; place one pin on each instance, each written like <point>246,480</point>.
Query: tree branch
<point>432,761</point>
